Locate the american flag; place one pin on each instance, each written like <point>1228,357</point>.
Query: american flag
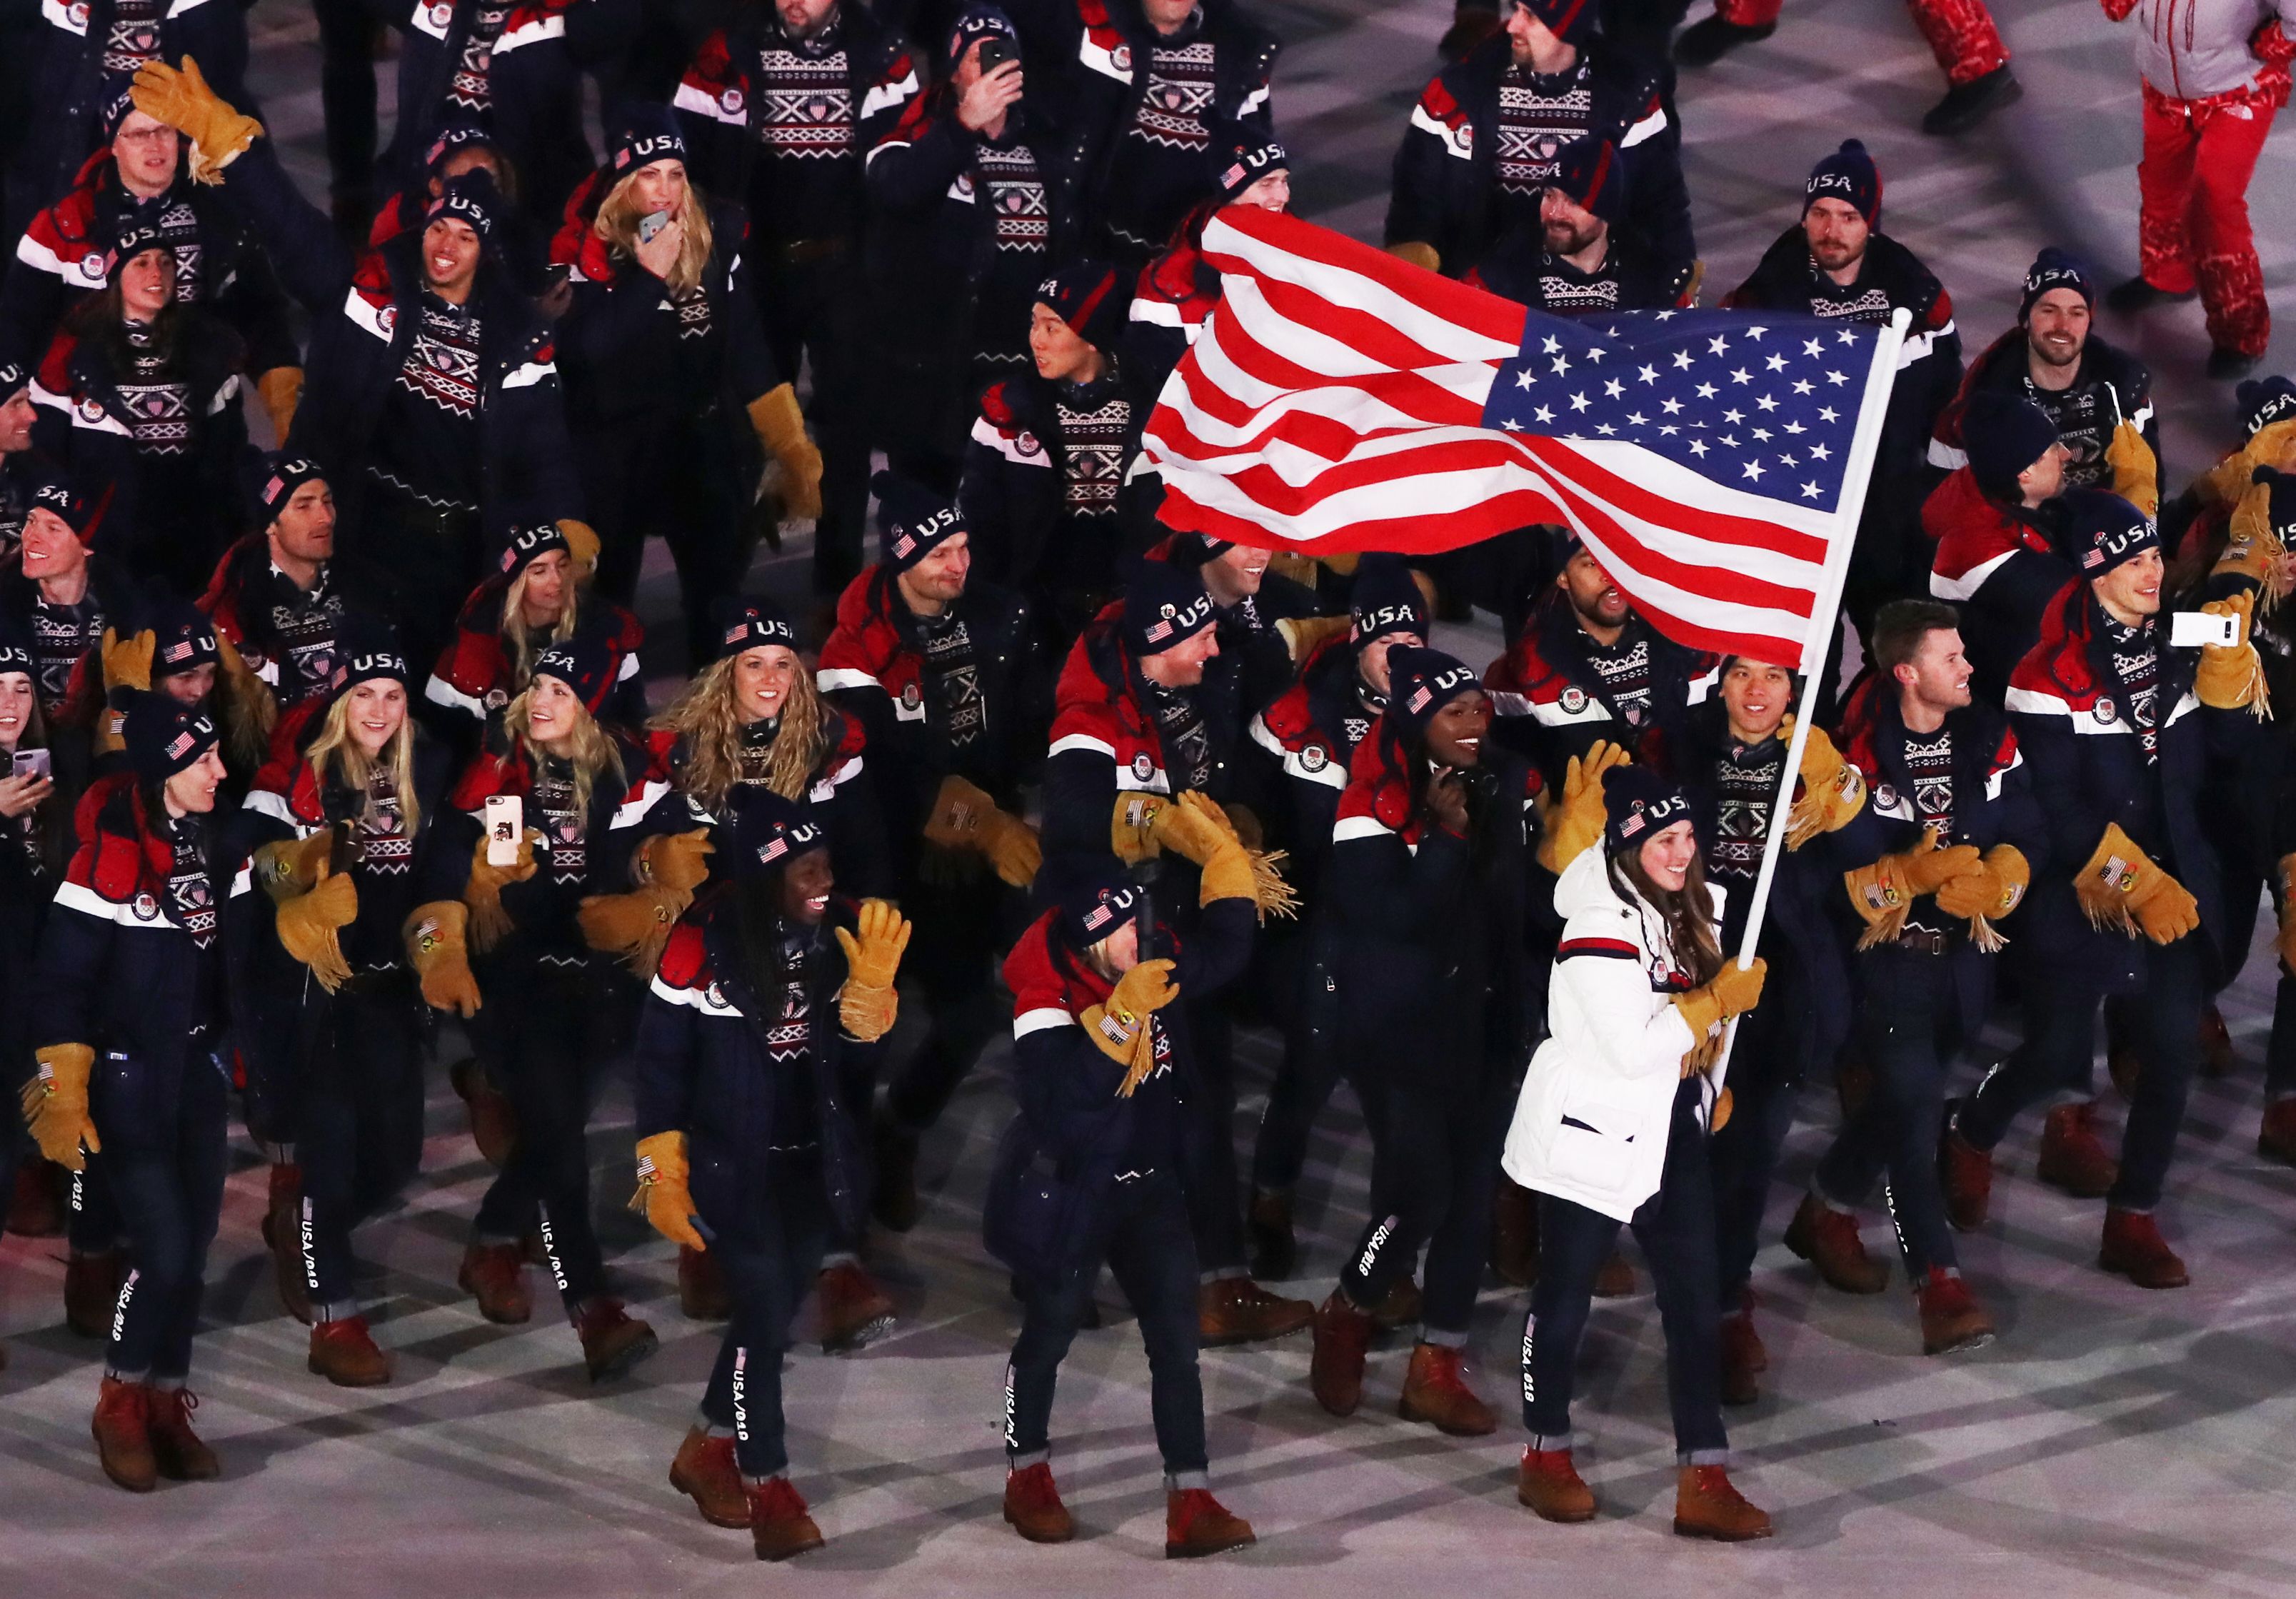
<point>1340,400</point>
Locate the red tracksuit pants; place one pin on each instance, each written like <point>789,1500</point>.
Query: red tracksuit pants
<point>2192,224</point>
<point>1960,33</point>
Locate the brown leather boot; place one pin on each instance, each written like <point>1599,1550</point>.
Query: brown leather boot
<point>1231,1310</point>
<point>1196,1524</point>
<point>1828,1240</point>
<point>92,1291</point>
<point>1707,1505</point>
<point>612,1340</point>
<point>1335,1371</point>
<point>344,1353</point>
<point>494,1122</point>
<point>1514,1233</point>
<point>2216,1056</point>
<point>1550,1485</point>
<point>701,1287</point>
<point>1616,1280</point>
<point>705,1471</point>
<point>176,1450</point>
<point>779,1526</point>
<point>2276,1135</point>
<point>854,1310</point>
<point>1401,1308</point>
<point>894,1200</point>
<point>1435,1390</point>
<point>1743,1358</point>
<point>1033,1506</point>
<point>123,1435</point>
<point>2133,1247</point>
<point>1966,1173</point>
<point>1952,1320</point>
<point>2073,1157</point>
<point>495,1274</point>
<point>35,1210</point>
<point>1275,1247</point>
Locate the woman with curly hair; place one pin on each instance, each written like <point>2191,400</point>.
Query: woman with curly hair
<point>752,725</point>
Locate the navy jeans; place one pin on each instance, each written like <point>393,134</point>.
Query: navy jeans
<point>360,1137</point>
<point>1676,1229</point>
<point>2060,1015</point>
<point>1142,1232</point>
<point>770,1255</point>
<point>546,1034</point>
<point>1433,1164</point>
<point>168,1181</point>
<point>1910,1017</point>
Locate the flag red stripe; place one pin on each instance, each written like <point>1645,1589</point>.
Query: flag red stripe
<point>1477,310</point>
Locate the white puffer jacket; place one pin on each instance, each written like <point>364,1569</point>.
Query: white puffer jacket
<point>2191,49</point>
<point>1591,1125</point>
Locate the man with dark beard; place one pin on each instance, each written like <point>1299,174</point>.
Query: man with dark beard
<point>1577,263</point>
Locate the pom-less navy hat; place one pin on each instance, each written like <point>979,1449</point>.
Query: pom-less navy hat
<point>913,521</point>
<point>769,832</point>
<point>749,623</point>
<point>164,737</point>
<point>644,135</point>
<point>1164,605</point>
<point>1099,904</point>
<point>2003,434</point>
<point>1638,805</point>
<point>2100,531</point>
<point>1422,681</point>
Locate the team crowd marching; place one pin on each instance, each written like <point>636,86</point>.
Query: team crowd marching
<point>312,751</point>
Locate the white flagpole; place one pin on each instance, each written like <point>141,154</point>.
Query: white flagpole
<point>1825,620</point>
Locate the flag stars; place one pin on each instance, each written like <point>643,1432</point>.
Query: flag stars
<point>1742,376</point>
<point>1804,386</point>
<point>1818,452</point>
<point>1809,491</point>
<point>1636,419</point>
<point>1578,402</point>
<point>1522,378</point>
<point>1550,344</point>
<point>1649,374</point>
<point>1835,377</point>
<point>1613,389</point>
<point>1847,336</point>
<point>1594,354</point>
<point>1775,363</point>
<point>1813,347</point>
<point>1682,359</point>
<point>1789,459</point>
<point>1698,447</point>
<point>1605,429</point>
<point>1763,434</point>
<point>1767,403</point>
<point>1671,407</point>
<point>1545,414</point>
<point>1756,331</point>
<point>1828,413</point>
<point>1707,391</point>
<point>1718,345</point>
<point>1795,427</point>
<point>1511,425</point>
<point>1734,416</point>
<point>1561,365</point>
<point>1754,470</point>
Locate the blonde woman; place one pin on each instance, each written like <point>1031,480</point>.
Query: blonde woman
<point>752,725</point>
<point>663,359</point>
<point>344,920</point>
<point>556,1011</point>
<point>535,595</point>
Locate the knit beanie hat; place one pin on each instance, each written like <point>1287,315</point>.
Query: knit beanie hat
<point>1422,681</point>
<point>1592,175</point>
<point>913,520</point>
<point>1637,804</point>
<point>978,22</point>
<point>366,649</point>
<point>1386,599</point>
<point>1244,159</point>
<point>2054,268</point>
<point>470,198</point>
<point>2261,402</point>
<point>526,546</point>
<point>1847,174</point>
<point>57,498</point>
<point>1566,20</point>
<point>283,474</point>
<point>1164,605</point>
<point>643,135</point>
<point>2100,530</point>
<point>1084,295</point>
<point>2003,434</point>
<point>15,646</point>
<point>164,737</point>
<point>455,135</point>
<point>184,639</point>
<point>14,379</point>
<point>1098,903</point>
<point>583,664</point>
<point>749,622</point>
<point>769,832</point>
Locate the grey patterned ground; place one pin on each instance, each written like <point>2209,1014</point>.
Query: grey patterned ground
<point>2111,1442</point>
